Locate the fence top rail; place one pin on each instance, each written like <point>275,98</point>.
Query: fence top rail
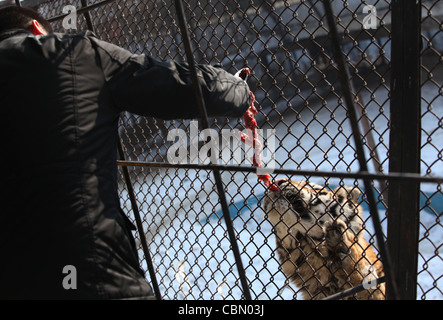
<point>350,175</point>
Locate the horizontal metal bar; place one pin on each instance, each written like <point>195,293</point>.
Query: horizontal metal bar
<point>32,3</point>
<point>354,290</point>
<point>345,175</point>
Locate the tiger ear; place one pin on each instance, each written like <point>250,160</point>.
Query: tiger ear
<point>346,192</point>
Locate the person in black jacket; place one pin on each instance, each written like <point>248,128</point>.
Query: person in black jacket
<point>62,231</point>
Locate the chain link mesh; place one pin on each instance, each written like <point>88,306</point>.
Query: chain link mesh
<point>430,274</point>
<point>295,81</point>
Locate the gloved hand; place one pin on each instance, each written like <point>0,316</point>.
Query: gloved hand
<point>243,73</point>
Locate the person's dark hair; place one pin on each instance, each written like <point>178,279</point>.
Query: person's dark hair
<point>14,17</point>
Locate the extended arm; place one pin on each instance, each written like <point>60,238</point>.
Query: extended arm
<point>163,89</point>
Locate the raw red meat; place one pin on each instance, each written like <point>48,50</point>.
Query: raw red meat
<point>251,138</point>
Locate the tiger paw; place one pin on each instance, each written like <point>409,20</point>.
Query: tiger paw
<point>335,236</point>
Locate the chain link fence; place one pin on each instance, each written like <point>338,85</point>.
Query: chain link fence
<point>295,79</point>
<point>430,243</point>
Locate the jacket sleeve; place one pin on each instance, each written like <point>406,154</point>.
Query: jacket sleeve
<point>143,85</point>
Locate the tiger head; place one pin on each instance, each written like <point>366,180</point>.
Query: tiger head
<point>302,208</point>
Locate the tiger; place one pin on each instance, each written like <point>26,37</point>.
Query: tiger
<point>319,239</point>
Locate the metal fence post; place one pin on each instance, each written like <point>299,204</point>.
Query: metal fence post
<point>405,142</point>
<point>349,94</point>
<point>204,118</point>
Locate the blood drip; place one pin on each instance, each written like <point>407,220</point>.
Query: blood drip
<point>251,138</point>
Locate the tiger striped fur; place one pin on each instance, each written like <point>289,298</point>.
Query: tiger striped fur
<point>319,238</point>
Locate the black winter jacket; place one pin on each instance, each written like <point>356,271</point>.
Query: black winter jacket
<point>60,100</point>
